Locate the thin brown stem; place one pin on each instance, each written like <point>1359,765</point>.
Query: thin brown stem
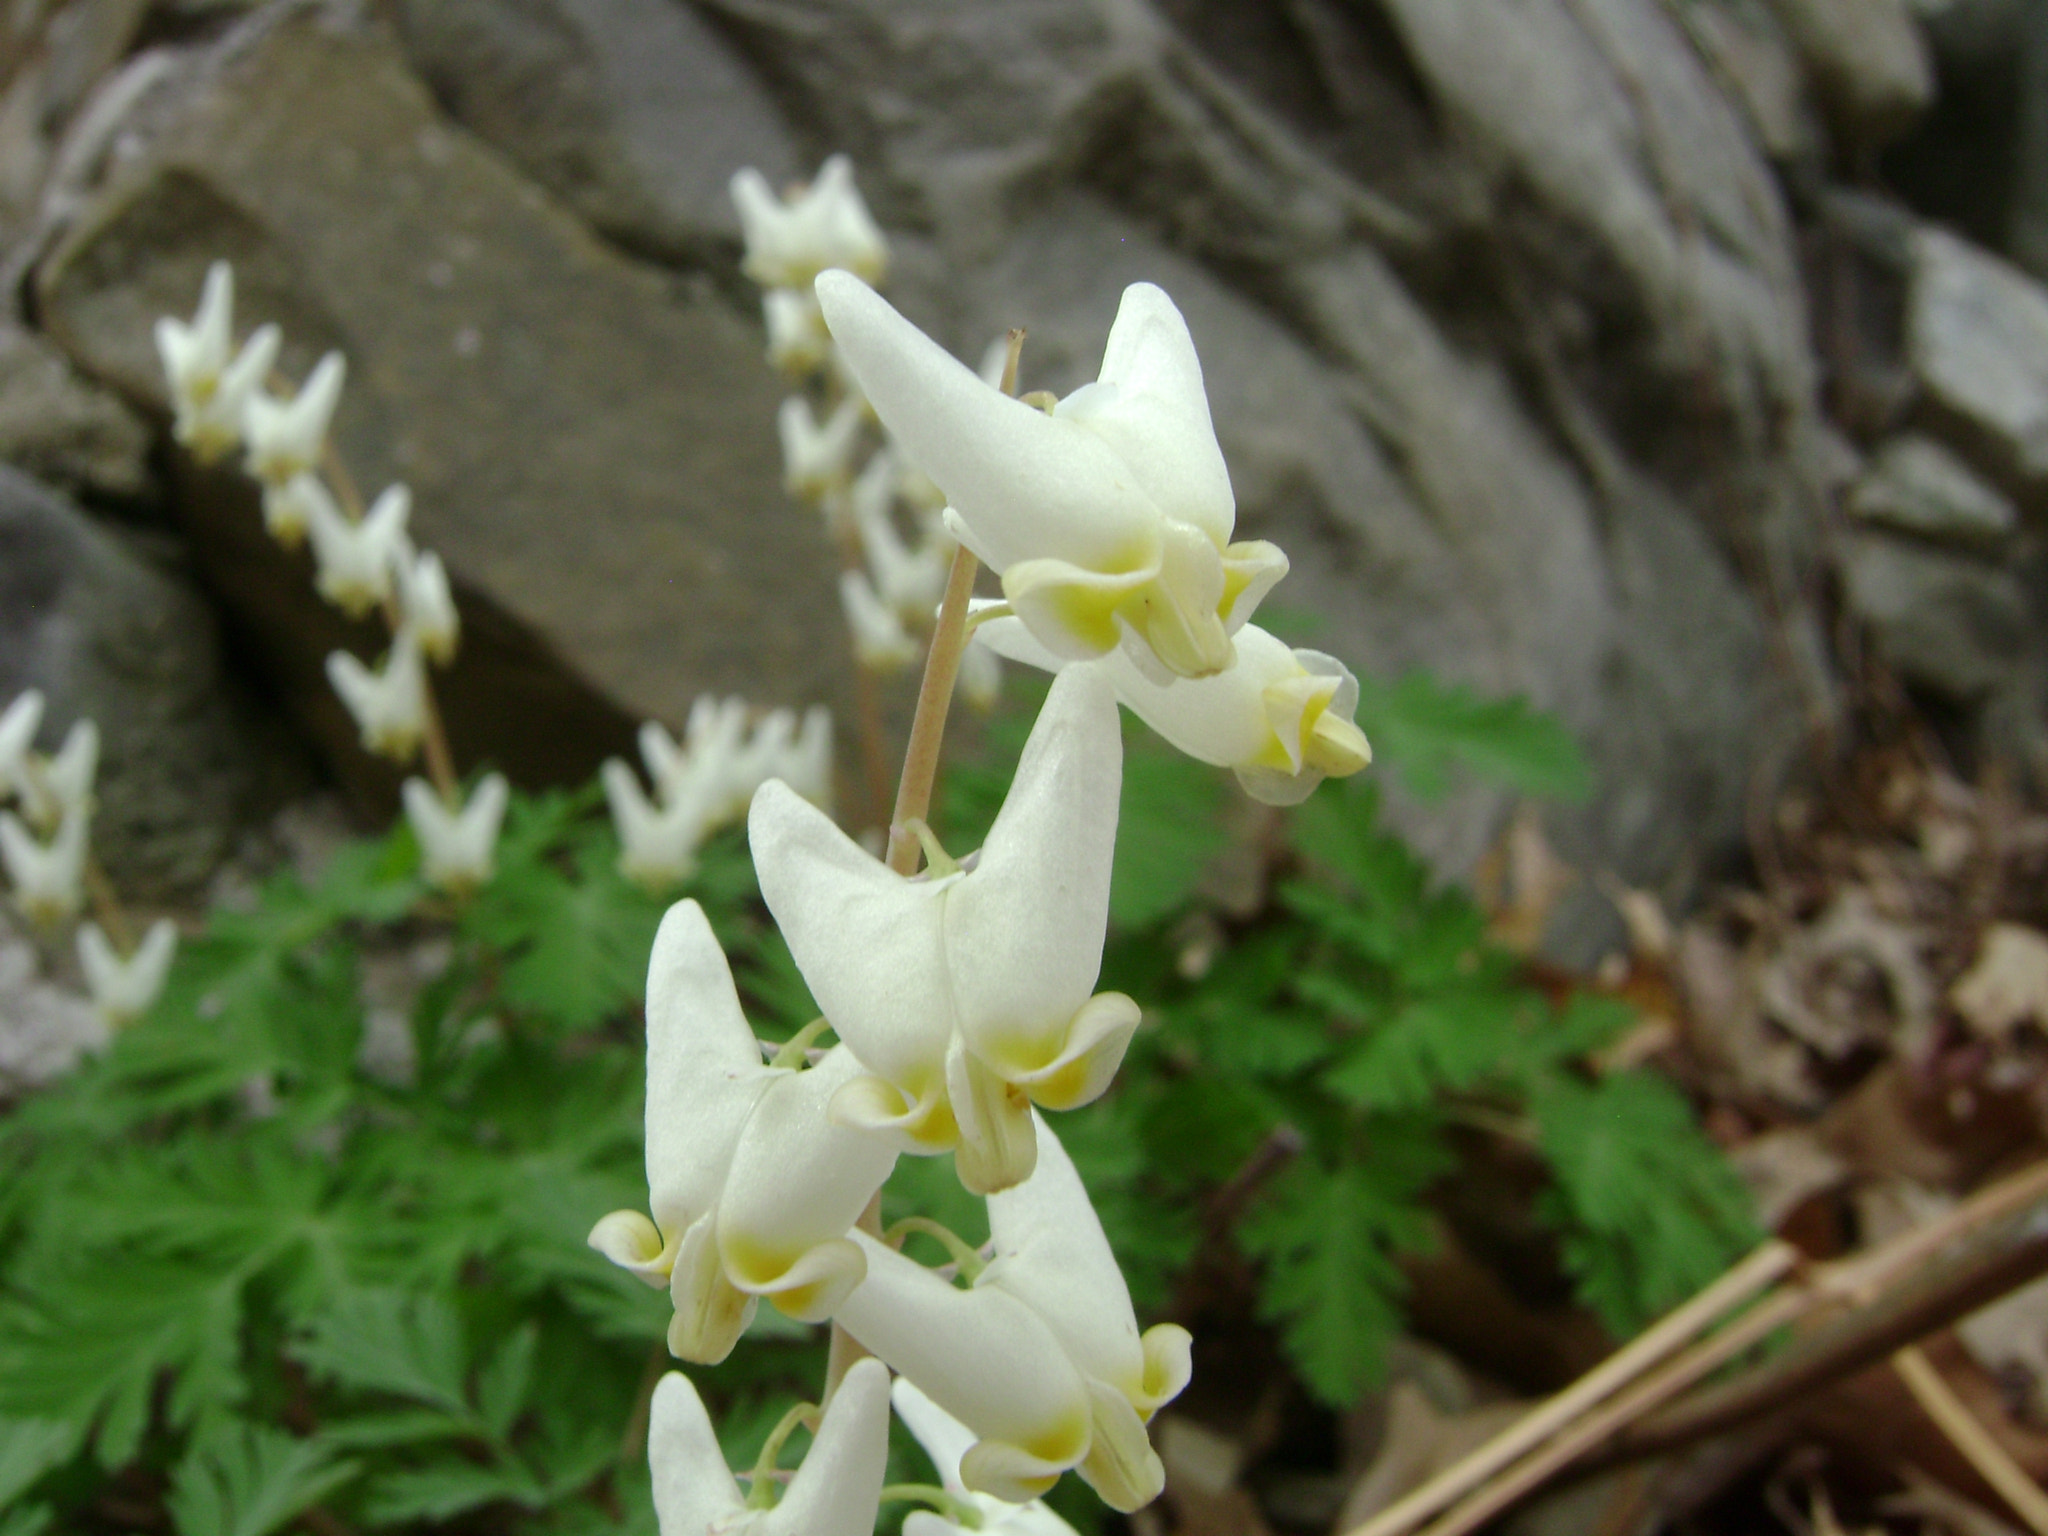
<point>106,905</point>
<point>846,1351</point>
<point>434,742</point>
<point>928,727</point>
<point>1993,1463</point>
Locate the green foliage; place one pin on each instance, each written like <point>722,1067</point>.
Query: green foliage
<point>252,1264</point>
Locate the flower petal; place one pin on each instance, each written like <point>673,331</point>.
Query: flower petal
<point>838,1489</point>
<point>1024,931</point>
<point>694,1490</point>
<point>867,941</point>
<point>1027,483</point>
<point>1121,1464</point>
<point>1158,419</point>
<point>710,1311</point>
<point>704,1070</point>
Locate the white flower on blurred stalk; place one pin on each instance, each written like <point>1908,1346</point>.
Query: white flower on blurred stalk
<point>968,993</point>
<point>1108,518</point>
<point>753,1187</point>
<point>817,458</point>
<point>288,509</point>
<point>911,582</point>
<point>1041,1359</point>
<point>210,389</point>
<point>659,838</point>
<point>18,727</point>
<point>354,560</point>
<point>287,437</point>
<point>880,642</point>
<point>946,1440</point>
<point>456,842</point>
<point>825,224</point>
<point>798,343</point>
<point>124,989</point>
<point>806,763</point>
<point>390,703</point>
<point>48,878</point>
<point>981,675</point>
<point>836,1492</point>
<point>54,787</point>
<point>1280,718</point>
<point>426,603</point>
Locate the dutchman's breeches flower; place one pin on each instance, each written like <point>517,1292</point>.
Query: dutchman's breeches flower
<point>1108,518</point>
<point>1280,718</point>
<point>824,224</point>
<point>124,988</point>
<point>836,1492</point>
<point>1042,1358</point>
<point>753,1188</point>
<point>947,1441</point>
<point>966,993</point>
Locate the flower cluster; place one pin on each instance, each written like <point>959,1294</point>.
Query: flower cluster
<point>46,850</point>
<point>706,780</point>
<point>889,586</point>
<point>364,558</point>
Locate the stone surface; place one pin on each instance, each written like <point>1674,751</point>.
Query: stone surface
<point>1949,623</point>
<point>63,429</point>
<point>1914,485</point>
<point>105,633</point>
<point>635,112</point>
<point>590,446</point>
<point>1977,334</point>
<point>1869,60</point>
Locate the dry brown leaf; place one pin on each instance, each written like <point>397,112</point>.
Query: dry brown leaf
<point>2008,984</point>
<point>1942,1507</point>
<point>1536,880</point>
<point>2011,1335</point>
<point>1724,1023</point>
<point>1418,1443</point>
<point>1201,1481</point>
<point>1853,977</point>
<point>1786,1168</point>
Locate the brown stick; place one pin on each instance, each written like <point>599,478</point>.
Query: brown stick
<point>928,727</point>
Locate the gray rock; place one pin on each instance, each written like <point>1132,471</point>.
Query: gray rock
<point>1747,47</point>
<point>1869,59</point>
<point>635,112</point>
<point>62,428</point>
<point>1977,336</point>
<point>107,635</point>
<point>1914,485</point>
<point>1949,623</point>
<point>590,447</point>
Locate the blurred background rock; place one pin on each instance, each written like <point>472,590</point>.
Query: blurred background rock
<point>1674,362</point>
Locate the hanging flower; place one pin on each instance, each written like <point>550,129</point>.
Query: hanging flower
<point>389,704</point>
<point>836,1492</point>
<point>52,788</point>
<point>456,841</point>
<point>1280,718</point>
<point>966,993</point>
<point>1109,517</point>
<point>287,437</point>
<point>1041,1358</point>
<point>753,1189</point>
<point>354,560</point>
<point>946,1441</point>
<point>880,642</point>
<point>48,878</point>
<point>427,604</point>
<point>124,988</point>
<point>210,385</point>
<point>826,224</point>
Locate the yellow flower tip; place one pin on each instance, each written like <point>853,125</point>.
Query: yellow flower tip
<point>634,1243</point>
<point>1337,746</point>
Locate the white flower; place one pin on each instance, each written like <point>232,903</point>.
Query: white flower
<point>48,878</point>
<point>389,704</point>
<point>658,839</point>
<point>209,389</point>
<point>880,641</point>
<point>817,459</point>
<point>59,786</point>
<point>288,509</point>
<point>752,1187</point>
<point>456,842</point>
<point>967,993</point>
<point>822,225</point>
<point>354,560</point>
<point>427,604</point>
<point>836,1492</point>
<point>1042,1358</point>
<point>1280,718</point>
<point>910,582</point>
<point>946,1440</point>
<point>18,727</point>
<point>286,437</point>
<point>798,343</point>
<point>806,763</point>
<point>981,675</point>
<point>1109,519</point>
<point>123,990</point>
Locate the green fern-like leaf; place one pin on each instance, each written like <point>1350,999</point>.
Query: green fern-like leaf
<point>241,1479</point>
<point>1424,727</point>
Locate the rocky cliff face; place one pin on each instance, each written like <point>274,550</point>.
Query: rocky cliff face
<point>1532,330</point>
